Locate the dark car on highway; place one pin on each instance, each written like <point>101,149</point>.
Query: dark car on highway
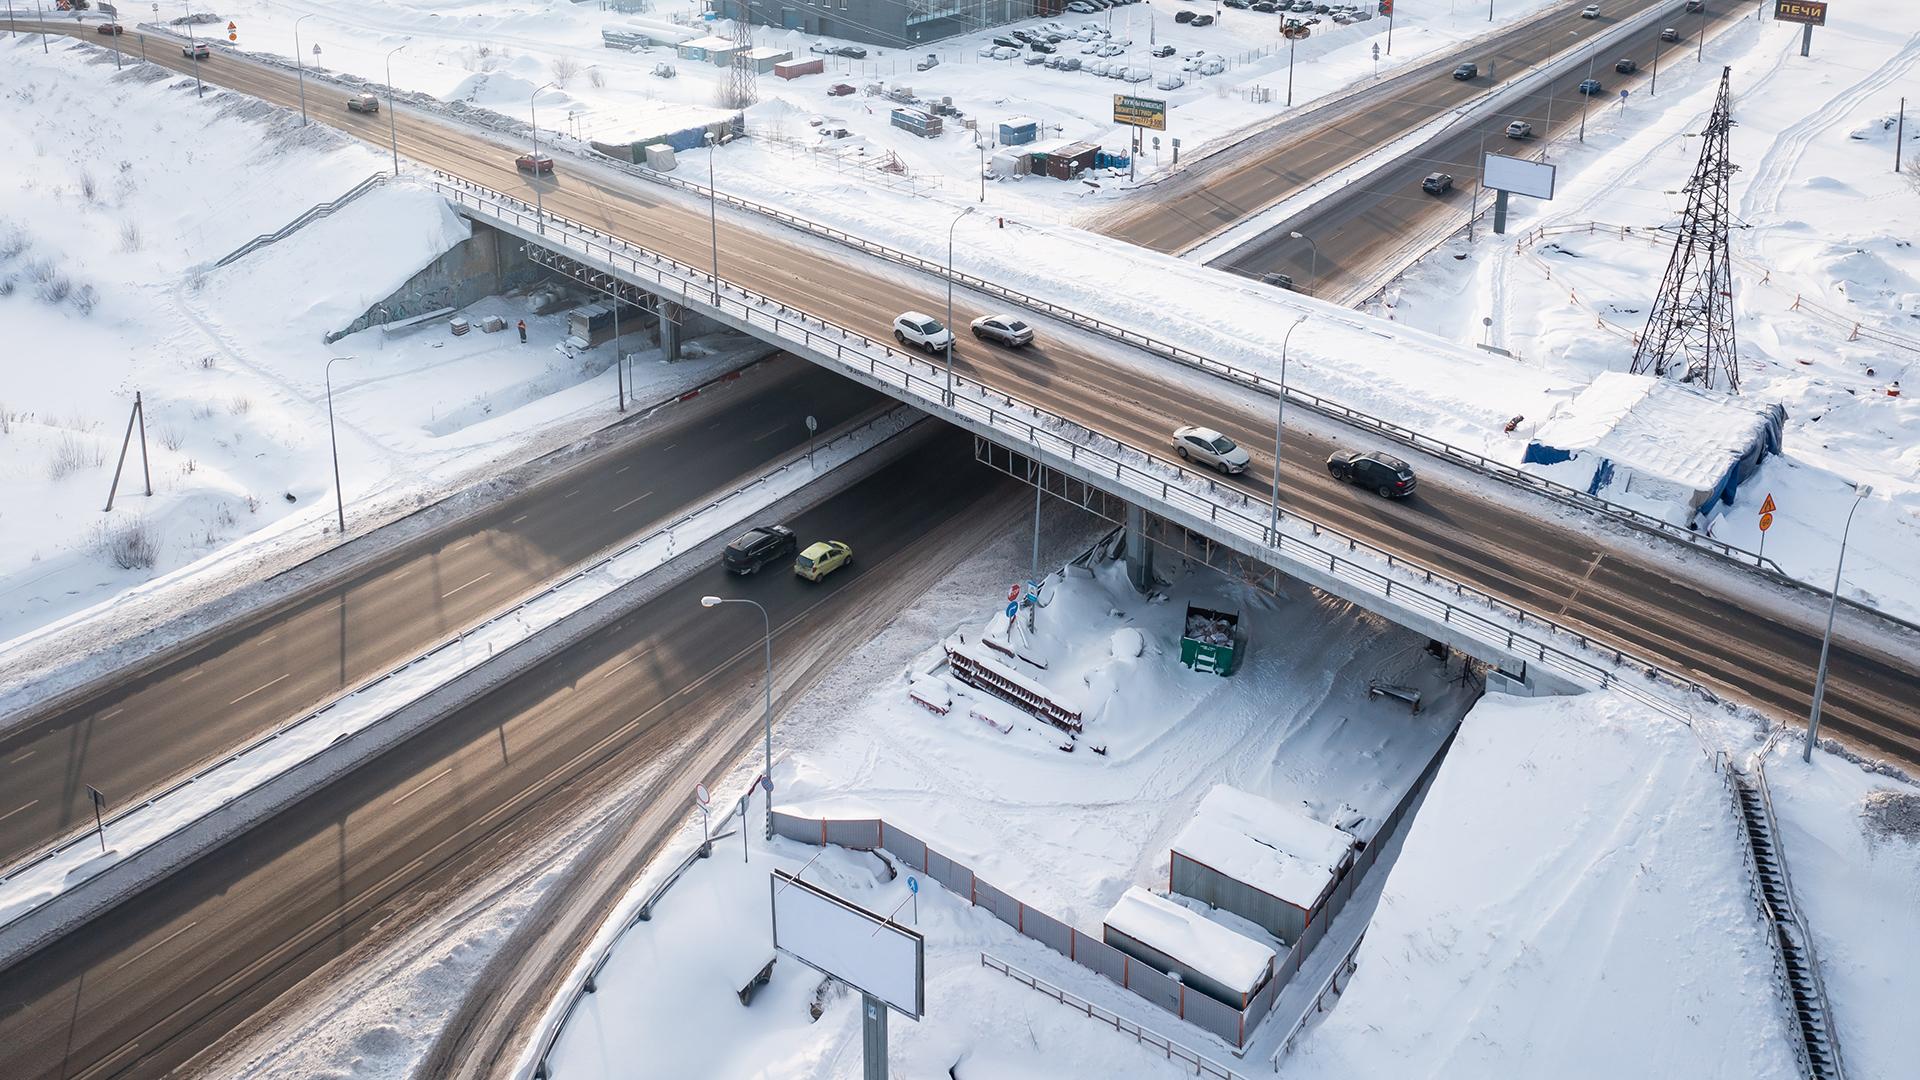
<point>1467,71</point>
<point>1437,183</point>
<point>1625,66</point>
<point>759,546</point>
<point>1386,475</point>
<point>1590,87</point>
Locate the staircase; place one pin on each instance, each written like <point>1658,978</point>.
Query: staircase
<point>1795,965</point>
<point>313,213</point>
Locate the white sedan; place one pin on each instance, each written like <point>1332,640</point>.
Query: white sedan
<point>1210,448</point>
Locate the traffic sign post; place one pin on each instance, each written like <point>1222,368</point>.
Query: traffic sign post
<point>913,886</point>
<point>99,823</point>
<point>743,825</point>
<point>812,427</point>
<point>1767,509</point>
<point>705,802</point>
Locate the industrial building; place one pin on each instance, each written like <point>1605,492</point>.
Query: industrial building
<point>888,24</point>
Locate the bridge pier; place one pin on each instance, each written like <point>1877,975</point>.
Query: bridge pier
<point>671,317</point>
<point>1139,551</point>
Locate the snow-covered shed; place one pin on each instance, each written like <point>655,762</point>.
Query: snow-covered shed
<point>1676,451</point>
<point>1266,862</point>
<point>1223,964</point>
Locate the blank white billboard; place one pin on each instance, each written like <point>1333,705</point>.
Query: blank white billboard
<point>1518,175</point>
<point>849,943</point>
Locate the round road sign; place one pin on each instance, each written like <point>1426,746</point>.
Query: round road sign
<point>1766,522</point>
<point>700,796</point>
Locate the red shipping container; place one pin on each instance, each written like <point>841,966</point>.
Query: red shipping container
<point>793,69</point>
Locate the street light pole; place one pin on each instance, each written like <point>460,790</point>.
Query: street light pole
<point>539,193</point>
<point>1279,415</point>
<point>1585,97</point>
<point>716,601</point>
<point>1860,494</point>
<point>300,66</point>
<point>340,500</point>
<point>713,213</point>
<point>951,336</point>
<point>393,122</point>
<point>1313,273</point>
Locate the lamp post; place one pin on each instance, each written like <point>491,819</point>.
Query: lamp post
<point>1279,414</point>
<point>951,336</point>
<point>1313,272</point>
<point>716,601</point>
<point>340,500</point>
<point>1860,494</point>
<point>300,66</point>
<point>393,122</point>
<point>713,213</point>
<point>533,121</point>
<point>1547,133</point>
<point>1586,98</point>
<point>41,10</point>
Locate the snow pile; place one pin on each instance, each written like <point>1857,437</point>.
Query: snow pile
<point>1571,902</point>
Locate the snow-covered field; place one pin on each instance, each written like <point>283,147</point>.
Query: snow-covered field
<point>1822,220</point>
<point>123,196</point>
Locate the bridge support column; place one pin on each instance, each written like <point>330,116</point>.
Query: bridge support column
<point>1139,550</point>
<point>671,316</point>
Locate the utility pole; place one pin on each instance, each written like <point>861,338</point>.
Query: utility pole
<point>1899,134</point>
<point>300,67</point>
<point>393,122</point>
<point>139,416</point>
<point>1860,494</point>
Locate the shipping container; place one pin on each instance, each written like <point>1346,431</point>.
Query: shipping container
<point>793,69</point>
<point>920,123</point>
<point>1019,130</point>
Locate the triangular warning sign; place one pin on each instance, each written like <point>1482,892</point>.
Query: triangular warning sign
<point>1768,507</point>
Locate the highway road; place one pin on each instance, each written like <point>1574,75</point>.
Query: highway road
<point>1361,226</point>
<point>1745,637</point>
<point>136,735</point>
<point>1237,183</point>
<point>143,990</point>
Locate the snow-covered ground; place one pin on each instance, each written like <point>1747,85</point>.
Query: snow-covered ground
<point>123,196</point>
<point>1822,221</point>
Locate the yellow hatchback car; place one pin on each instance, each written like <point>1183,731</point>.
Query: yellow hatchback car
<point>822,559</point>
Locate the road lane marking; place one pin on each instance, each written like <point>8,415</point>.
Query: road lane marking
<point>460,545</point>
<point>770,432</point>
<point>571,494</point>
<point>622,667</point>
<point>420,786</point>
<point>630,502</point>
<point>18,758</point>
<point>111,715</point>
<point>621,469</point>
<point>518,520</point>
<point>192,675</point>
<point>257,689</point>
<point>17,809</point>
<point>670,446</point>
<point>457,588</point>
<point>137,957</point>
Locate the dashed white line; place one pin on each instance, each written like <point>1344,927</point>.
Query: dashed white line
<point>518,520</point>
<point>630,502</point>
<point>17,809</point>
<point>770,433</point>
<point>18,758</point>
<point>192,675</point>
<point>257,689</point>
<point>460,545</point>
<point>417,788</point>
<point>143,952</point>
<point>621,469</point>
<point>110,715</point>
<point>622,666</point>
<point>571,494</point>
<point>457,588</point>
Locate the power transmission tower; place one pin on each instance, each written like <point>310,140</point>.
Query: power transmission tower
<point>1690,333</point>
<point>743,80</point>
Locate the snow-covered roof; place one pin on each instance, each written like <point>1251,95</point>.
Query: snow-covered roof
<point>1233,960</point>
<point>711,43</point>
<point>1660,428</point>
<point>1270,846</point>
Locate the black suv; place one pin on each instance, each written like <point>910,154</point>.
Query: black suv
<point>1384,473</point>
<point>759,546</point>
<point>1437,183</point>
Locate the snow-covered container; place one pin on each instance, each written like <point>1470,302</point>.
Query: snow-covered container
<point>1209,640</point>
<point>1007,163</point>
<point>1227,966</point>
<point>660,157</point>
<point>1264,861</point>
<point>793,69</point>
<point>1019,130</point>
<point>1672,450</point>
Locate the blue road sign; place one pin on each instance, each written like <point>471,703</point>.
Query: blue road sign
<point>1623,95</point>
<point>1013,609</point>
<point>913,884</point>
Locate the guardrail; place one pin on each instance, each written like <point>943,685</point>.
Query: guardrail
<point>313,213</point>
<point>1173,1051</point>
<point>1135,473</point>
<point>1346,966</point>
<point>86,836</point>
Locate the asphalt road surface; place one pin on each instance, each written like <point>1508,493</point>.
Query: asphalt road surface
<point>142,990</point>
<point>1189,207</point>
<point>1740,636</point>
<point>1358,228</point>
<point>137,735</point>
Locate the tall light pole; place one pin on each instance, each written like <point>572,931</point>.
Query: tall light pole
<point>533,121</point>
<point>41,10</point>
<point>952,337</point>
<point>393,122</point>
<point>1585,97</point>
<point>199,89</point>
<point>340,501</point>
<point>716,601</point>
<point>300,66</point>
<point>1547,134</point>
<point>1279,414</point>
<point>1860,494</point>
<point>1313,273</point>
<point>713,213</point>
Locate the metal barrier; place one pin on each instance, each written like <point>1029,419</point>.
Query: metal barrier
<point>1173,1051</point>
<point>313,213</point>
<point>1331,983</point>
<point>1231,517</point>
<point>86,836</point>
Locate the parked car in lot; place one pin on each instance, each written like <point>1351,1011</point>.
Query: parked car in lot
<point>1519,129</point>
<point>1184,16</point>
<point>1041,47</point>
<point>839,89</point>
<point>851,52</point>
<point>1669,34</point>
<point>1625,66</point>
<point>1245,4</point>
<point>1009,330</point>
<point>821,559</point>
<point>196,51</point>
<point>759,546</point>
<point>1081,7</point>
<point>1163,52</point>
<point>1591,11</point>
<point>535,164</point>
<point>1210,448</point>
<point>1387,476</point>
<point>922,331</point>
<point>1437,183</point>
<point>1467,71</point>
<point>1203,20</point>
<point>1169,81</point>
<point>363,103</point>
<point>1590,87</point>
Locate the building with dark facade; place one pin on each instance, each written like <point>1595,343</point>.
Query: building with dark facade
<point>890,24</point>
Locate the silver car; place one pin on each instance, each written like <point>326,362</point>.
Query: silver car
<point>1007,330</point>
<point>1210,448</point>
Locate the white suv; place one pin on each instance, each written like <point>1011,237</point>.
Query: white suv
<point>921,331</point>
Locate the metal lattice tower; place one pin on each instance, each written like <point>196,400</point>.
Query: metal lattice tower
<point>1690,333</point>
<point>743,88</point>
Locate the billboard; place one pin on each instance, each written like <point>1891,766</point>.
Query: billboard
<point>1811,12</point>
<point>849,943</point>
<point>1143,112</point>
<point>1518,175</point>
